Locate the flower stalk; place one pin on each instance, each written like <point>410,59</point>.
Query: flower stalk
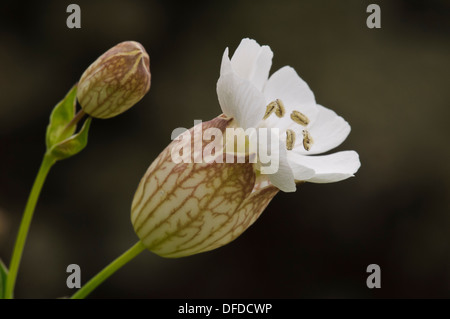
<point>118,263</point>
<point>45,167</point>
<point>111,85</point>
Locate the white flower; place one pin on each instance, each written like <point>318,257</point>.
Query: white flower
<point>284,101</point>
<point>184,208</point>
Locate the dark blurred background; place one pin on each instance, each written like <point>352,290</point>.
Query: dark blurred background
<point>390,84</point>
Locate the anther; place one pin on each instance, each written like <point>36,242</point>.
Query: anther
<point>307,140</point>
<point>280,110</point>
<point>269,109</point>
<point>299,118</point>
<point>290,139</point>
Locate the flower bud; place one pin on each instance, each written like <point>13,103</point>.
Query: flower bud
<point>116,81</point>
<point>181,209</point>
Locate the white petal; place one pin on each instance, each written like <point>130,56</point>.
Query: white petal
<point>328,131</point>
<point>240,100</point>
<point>286,85</point>
<point>225,66</point>
<point>301,172</point>
<point>252,62</point>
<point>329,168</point>
<point>284,178</point>
<point>279,172</point>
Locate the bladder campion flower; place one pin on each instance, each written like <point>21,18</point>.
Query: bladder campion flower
<point>284,101</point>
<point>184,208</point>
<point>116,81</point>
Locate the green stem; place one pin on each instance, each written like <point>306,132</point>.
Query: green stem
<point>47,163</point>
<point>109,270</point>
<point>77,117</point>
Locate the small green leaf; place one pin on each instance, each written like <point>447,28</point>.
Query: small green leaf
<point>61,115</point>
<point>72,145</point>
<point>3,276</point>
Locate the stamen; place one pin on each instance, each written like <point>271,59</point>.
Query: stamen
<point>280,110</point>
<point>307,140</point>
<point>290,139</point>
<point>299,118</point>
<point>269,109</point>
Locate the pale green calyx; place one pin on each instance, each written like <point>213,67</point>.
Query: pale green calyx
<point>182,209</point>
<point>61,140</point>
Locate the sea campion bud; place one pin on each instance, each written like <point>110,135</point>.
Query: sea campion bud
<point>116,81</point>
<point>181,209</point>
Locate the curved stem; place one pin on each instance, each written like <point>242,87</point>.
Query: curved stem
<point>109,270</point>
<point>47,163</point>
<point>80,114</point>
